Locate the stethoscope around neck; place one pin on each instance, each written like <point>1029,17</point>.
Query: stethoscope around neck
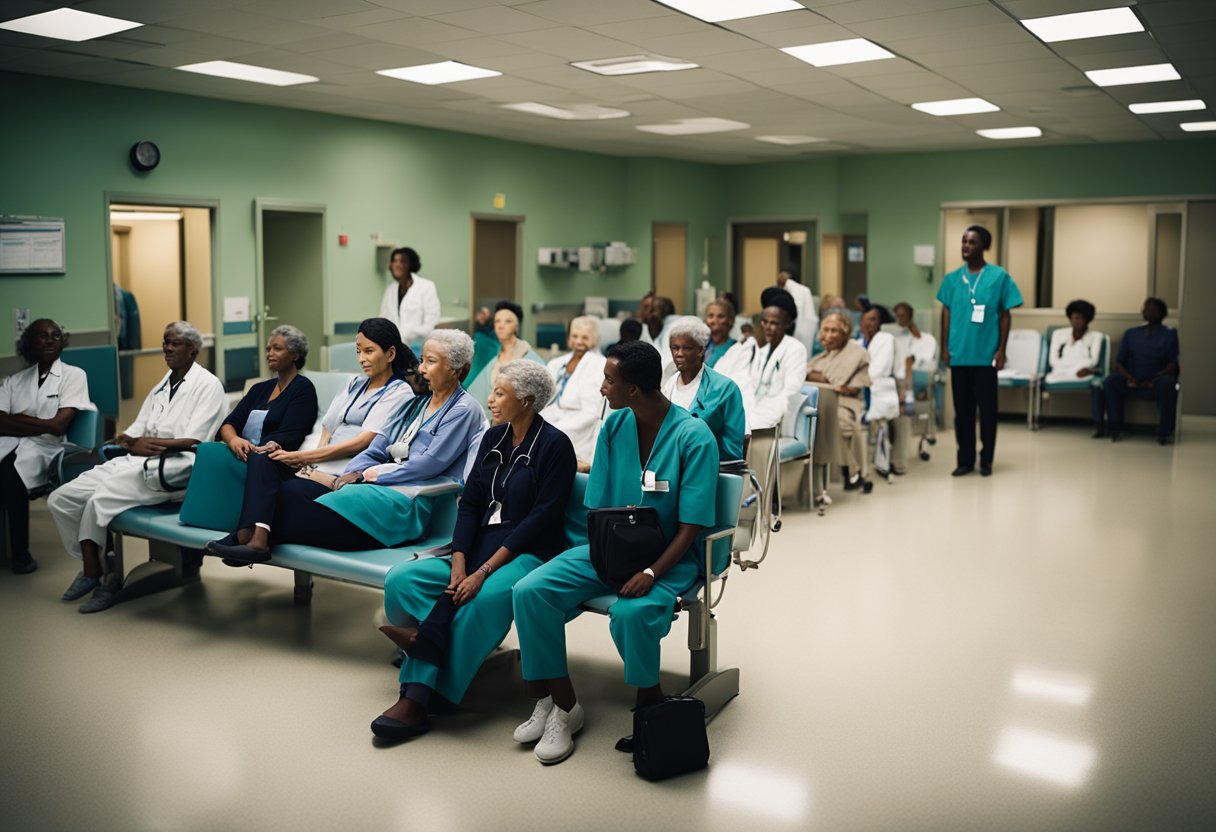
<point>509,460</point>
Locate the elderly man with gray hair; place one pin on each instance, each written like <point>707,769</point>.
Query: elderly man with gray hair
<point>448,615</point>
<point>185,408</point>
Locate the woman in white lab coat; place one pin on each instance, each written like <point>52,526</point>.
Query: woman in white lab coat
<point>884,397</point>
<point>410,301</point>
<point>185,408</point>
<point>36,406</point>
<point>778,369</point>
<point>576,406</point>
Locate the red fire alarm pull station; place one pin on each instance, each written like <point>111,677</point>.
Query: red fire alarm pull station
<point>343,239</point>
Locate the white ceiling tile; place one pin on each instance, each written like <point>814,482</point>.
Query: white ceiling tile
<point>819,33</point>
<point>711,41</point>
<point>415,31</point>
<point>783,21</point>
<point>923,24</point>
<point>298,9</point>
<point>330,40</point>
<point>635,31</point>
<point>592,12</point>
<point>863,10</point>
<point>571,44</point>
<point>355,20</point>
<point>1026,9</point>
<point>473,50</point>
<point>494,20</point>
<point>378,56</point>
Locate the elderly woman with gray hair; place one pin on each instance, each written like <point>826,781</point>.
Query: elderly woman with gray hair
<point>429,440</point>
<point>702,391</point>
<point>842,373</point>
<point>278,413</point>
<point>510,520</point>
<point>576,406</point>
<point>185,408</point>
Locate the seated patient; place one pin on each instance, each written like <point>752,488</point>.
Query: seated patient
<point>37,405</point>
<point>706,394</point>
<point>649,453</point>
<point>278,413</point>
<point>777,368</point>
<point>430,439</point>
<point>510,520</point>
<point>577,404</point>
<point>841,372</point>
<point>185,408</point>
<point>1146,367</point>
<point>884,393</point>
<point>1075,353</point>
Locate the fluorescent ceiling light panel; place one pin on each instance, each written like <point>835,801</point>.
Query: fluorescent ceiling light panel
<point>789,139</point>
<point>444,72</point>
<point>127,216</point>
<point>1059,760</point>
<point>1147,74</point>
<point>635,65</point>
<point>956,107</point>
<point>578,112</point>
<point>1011,133</point>
<point>834,53</point>
<point>689,126</point>
<point>1096,24</point>
<point>248,72</point>
<point>1198,126</point>
<point>715,11</point>
<point>69,24</point>
<point>1166,106</point>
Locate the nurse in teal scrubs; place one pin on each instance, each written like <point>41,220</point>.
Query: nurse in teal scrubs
<point>710,396</point>
<point>720,318</point>
<point>649,453</point>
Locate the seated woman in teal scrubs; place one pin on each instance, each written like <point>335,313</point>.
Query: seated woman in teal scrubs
<point>710,396</point>
<point>509,522</point>
<point>649,453</point>
<point>430,440</point>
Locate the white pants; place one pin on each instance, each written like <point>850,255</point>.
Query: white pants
<point>84,508</point>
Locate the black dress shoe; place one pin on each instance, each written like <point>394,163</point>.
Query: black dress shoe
<point>1161,440</point>
<point>237,552</point>
<point>25,567</point>
<point>962,470</point>
<point>985,470</point>
<point>1100,433</point>
<point>394,730</point>
<point>625,744</point>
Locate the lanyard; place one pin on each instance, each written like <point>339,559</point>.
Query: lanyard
<point>495,503</point>
<point>371,400</point>
<point>971,288</point>
<point>763,383</point>
<point>563,380</point>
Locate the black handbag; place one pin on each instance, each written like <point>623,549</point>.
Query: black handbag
<point>624,541</point>
<point>669,738</point>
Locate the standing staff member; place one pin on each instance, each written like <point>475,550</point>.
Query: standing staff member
<point>411,302</point>
<point>976,300</point>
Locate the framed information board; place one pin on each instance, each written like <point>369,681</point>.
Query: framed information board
<point>32,245</point>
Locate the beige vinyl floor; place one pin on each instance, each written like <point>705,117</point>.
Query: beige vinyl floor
<point>1033,651</point>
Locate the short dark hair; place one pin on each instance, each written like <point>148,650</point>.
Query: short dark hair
<point>1165,310</point>
<point>412,260</point>
<point>984,234</point>
<point>1084,307</point>
<point>778,297</point>
<point>884,315</point>
<point>511,306</point>
<point>631,330</point>
<point>664,306</point>
<point>26,348</point>
<point>639,364</point>
<point>384,333</point>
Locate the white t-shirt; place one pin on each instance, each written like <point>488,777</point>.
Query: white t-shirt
<point>680,393</point>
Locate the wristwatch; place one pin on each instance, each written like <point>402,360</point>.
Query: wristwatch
<point>650,572</point>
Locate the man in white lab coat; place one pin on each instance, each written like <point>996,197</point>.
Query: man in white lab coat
<point>185,408</point>
<point>807,324</point>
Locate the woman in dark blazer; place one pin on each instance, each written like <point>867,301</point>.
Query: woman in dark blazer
<point>278,413</point>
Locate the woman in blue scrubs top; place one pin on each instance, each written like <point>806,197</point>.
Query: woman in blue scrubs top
<point>509,522</point>
<point>649,453</point>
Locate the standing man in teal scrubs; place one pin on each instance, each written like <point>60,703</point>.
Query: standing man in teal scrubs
<point>976,300</point>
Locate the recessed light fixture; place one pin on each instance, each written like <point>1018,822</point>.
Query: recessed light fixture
<point>956,107</point>
<point>444,72</point>
<point>1198,126</point>
<point>635,65</point>
<point>689,126</point>
<point>790,139</point>
<point>715,11</point>
<point>1011,133</point>
<point>836,52</point>
<point>1095,24</point>
<point>578,112</point>
<point>249,72</point>
<point>69,24</point>
<point>1146,74</point>
<point>1166,106</point>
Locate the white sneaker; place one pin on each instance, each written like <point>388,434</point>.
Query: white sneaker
<point>534,728</point>
<point>558,741</point>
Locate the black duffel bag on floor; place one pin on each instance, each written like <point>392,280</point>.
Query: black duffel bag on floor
<point>669,738</point>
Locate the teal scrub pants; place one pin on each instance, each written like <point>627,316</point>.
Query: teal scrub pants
<point>411,590</point>
<point>547,598</point>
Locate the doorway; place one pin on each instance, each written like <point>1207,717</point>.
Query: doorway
<point>761,249</point>
<point>291,278</point>
<point>161,255</point>
<point>495,246</point>
<point>670,262</point>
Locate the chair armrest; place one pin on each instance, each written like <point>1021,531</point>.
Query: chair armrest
<point>710,539</point>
